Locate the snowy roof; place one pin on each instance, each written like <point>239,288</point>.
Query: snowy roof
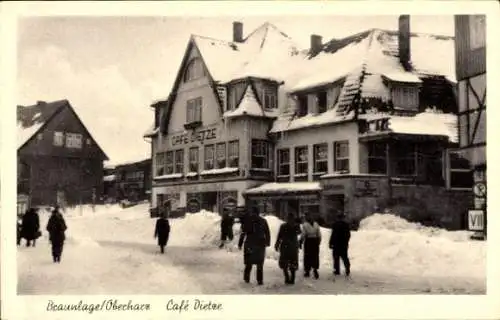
<point>275,187</point>
<point>250,106</point>
<point>31,118</point>
<point>429,122</point>
<point>152,131</point>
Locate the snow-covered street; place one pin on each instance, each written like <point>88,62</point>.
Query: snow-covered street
<point>112,251</point>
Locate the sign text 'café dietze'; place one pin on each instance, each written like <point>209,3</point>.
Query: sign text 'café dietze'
<point>194,136</point>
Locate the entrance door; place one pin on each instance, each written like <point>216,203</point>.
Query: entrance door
<point>334,204</point>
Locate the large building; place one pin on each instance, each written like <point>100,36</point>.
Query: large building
<point>128,181</point>
<point>470,34</point>
<point>59,162</point>
<point>356,124</point>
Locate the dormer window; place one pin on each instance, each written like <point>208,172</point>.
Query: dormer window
<point>321,98</point>
<point>405,97</point>
<point>269,98</point>
<point>301,105</point>
<point>194,70</point>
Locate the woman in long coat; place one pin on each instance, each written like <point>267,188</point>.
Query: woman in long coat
<point>56,228</point>
<point>256,236</point>
<point>30,227</point>
<point>287,244</point>
<point>162,231</point>
<point>311,239</point>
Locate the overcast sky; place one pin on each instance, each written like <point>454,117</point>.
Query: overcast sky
<point>112,68</point>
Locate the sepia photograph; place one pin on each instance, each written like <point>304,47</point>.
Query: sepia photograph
<point>259,155</point>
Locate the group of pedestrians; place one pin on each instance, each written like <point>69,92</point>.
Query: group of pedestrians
<point>28,227</point>
<point>292,236</point>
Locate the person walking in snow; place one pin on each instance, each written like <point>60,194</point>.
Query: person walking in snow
<point>56,227</point>
<point>310,239</point>
<point>339,243</point>
<point>162,231</point>
<point>226,228</point>
<point>255,236</point>
<point>19,230</point>
<point>287,244</point>
<point>31,226</point>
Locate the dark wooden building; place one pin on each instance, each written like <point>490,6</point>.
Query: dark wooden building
<point>129,181</point>
<point>470,57</point>
<point>59,162</point>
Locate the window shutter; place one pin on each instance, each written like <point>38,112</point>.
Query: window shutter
<point>222,91</point>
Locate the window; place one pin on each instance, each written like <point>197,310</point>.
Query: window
<point>39,136</point>
<point>302,105</point>
<point>461,175</point>
<point>194,110</point>
<point>220,155</point>
<point>404,155</point>
<point>377,158</point>
<point>405,98</point>
<point>160,164</point>
<point>169,162</point>
<point>320,158</point>
<point>236,93</point>
<point>477,27</point>
<point>269,98</point>
<point>234,154</point>
<point>341,152</point>
<point>89,142</point>
<point>284,162</point>
<point>58,139</point>
<point>193,159</point>
<point>194,70</point>
<point>301,160</point>
<point>260,154</point>
<point>179,161</point>
<point>209,157</point>
<point>322,101</point>
<point>74,140</point>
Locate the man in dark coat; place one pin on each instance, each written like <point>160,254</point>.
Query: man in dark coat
<point>56,228</point>
<point>339,243</point>
<point>31,226</point>
<point>287,244</point>
<point>256,236</point>
<point>226,228</point>
<point>162,231</point>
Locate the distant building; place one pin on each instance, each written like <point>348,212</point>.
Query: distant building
<point>59,162</point>
<point>470,34</point>
<point>130,181</point>
<point>355,124</point>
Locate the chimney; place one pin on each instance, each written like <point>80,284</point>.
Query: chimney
<point>316,44</point>
<point>404,41</point>
<point>237,31</point>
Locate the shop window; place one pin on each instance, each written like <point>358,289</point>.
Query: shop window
<point>283,162</point>
<point>58,139</point>
<point>301,160</point>
<point>193,159</point>
<point>404,155</point>
<point>194,70</point>
<point>405,97</point>
<point>301,106</point>
<point>74,140</point>
<point>320,158</point>
<point>160,164</point>
<point>234,154</point>
<point>269,98</point>
<point>193,110</point>
<point>220,155</point>
<point>460,173</point>
<point>179,161</point>
<point>260,154</point>
<point>377,158</point>
<point>169,162</point>
<point>477,31</point>
<point>322,101</point>
<point>341,152</point>
<point>430,165</point>
<point>209,157</point>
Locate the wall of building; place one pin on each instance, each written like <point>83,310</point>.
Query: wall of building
<point>469,61</point>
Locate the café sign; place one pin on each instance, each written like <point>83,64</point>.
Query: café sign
<point>194,136</point>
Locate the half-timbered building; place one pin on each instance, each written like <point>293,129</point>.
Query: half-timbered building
<point>355,124</point>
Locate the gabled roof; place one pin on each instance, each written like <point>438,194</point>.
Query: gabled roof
<point>32,119</point>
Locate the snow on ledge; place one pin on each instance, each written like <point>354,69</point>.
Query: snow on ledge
<point>219,171</point>
<point>170,176</point>
<point>191,174</point>
<point>109,178</point>
<point>402,77</point>
<point>284,187</point>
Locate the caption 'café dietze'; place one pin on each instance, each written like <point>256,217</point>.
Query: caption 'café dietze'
<point>353,124</point>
